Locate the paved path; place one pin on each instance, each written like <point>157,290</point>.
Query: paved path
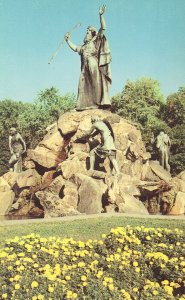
<point>5,222</point>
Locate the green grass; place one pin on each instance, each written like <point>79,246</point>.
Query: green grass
<point>84,229</point>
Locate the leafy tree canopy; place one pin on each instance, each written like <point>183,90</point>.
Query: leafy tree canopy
<point>174,112</point>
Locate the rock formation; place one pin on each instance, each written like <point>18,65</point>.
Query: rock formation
<point>56,180</point>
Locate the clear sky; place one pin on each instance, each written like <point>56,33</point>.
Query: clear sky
<point>146,37</point>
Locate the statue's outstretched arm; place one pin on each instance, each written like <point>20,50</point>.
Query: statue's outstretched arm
<point>71,45</point>
<point>102,20</point>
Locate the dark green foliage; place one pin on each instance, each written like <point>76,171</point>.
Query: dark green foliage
<point>140,101</point>
<point>174,113</point>
<point>174,116</point>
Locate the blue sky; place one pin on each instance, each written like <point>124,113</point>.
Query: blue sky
<point>146,37</point>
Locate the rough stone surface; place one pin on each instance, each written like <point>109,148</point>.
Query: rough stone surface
<point>132,205</point>
<point>45,157</point>
<point>159,171</point>
<point>29,164</point>
<point>4,186</point>
<point>28,178</point>
<point>182,175</point>
<point>47,177</point>
<point>179,205</point>
<point>59,198</point>
<point>90,194</point>
<point>6,201</point>
<point>72,166</point>
<point>54,206</point>
<point>11,178</point>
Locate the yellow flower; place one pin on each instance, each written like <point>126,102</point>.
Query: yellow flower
<point>40,297</point>
<point>155,293</point>
<point>135,289</point>
<point>4,296</point>
<point>83,278</point>
<point>17,286</point>
<point>50,289</point>
<point>137,270</point>
<point>168,289</point>
<point>135,263</point>
<point>17,277</point>
<point>68,277</point>
<point>84,283</point>
<point>111,287</point>
<point>81,264</point>
<point>34,284</point>
<point>165,282</point>
<point>69,294</point>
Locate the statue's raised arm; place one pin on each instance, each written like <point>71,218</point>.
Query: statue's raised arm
<point>102,20</point>
<point>67,38</point>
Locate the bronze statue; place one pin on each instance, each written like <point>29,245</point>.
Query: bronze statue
<point>17,148</point>
<point>163,146</point>
<point>106,148</point>
<point>95,76</point>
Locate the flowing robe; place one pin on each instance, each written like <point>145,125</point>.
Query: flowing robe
<point>95,76</point>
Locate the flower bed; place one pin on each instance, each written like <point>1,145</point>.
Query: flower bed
<point>128,263</point>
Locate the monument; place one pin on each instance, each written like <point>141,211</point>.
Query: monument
<point>95,76</point>
<point>56,180</point>
<point>17,148</point>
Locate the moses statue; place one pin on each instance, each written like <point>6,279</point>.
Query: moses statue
<point>95,77</point>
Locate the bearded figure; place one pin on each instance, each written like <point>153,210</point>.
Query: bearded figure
<point>95,77</point>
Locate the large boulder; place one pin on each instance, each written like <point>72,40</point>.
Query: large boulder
<point>132,205</point>
<point>28,178</point>
<point>60,198</point>
<point>179,205</point>
<point>90,194</point>
<point>10,178</point>
<point>6,197</point>
<point>6,201</point>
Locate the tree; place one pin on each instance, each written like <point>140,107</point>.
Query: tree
<point>174,112</point>
<point>140,101</point>
<point>174,115</point>
<point>44,111</point>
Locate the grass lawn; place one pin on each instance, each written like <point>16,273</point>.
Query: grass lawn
<point>84,229</point>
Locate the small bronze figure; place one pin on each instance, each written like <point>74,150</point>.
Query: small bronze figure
<point>163,145</point>
<point>17,148</point>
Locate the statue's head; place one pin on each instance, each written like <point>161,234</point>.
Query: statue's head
<point>95,119</point>
<point>161,132</point>
<point>13,131</point>
<point>91,32</point>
